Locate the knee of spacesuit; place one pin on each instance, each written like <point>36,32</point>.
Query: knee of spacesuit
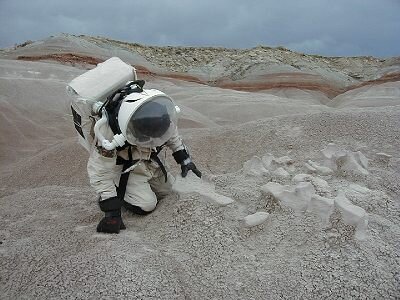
<point>162,187</point>
<point>138,191</point>
<point>137,209</point>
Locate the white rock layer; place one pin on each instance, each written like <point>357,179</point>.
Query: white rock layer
<point>319,169</point>
<point>193,184</point>
<point>343,161</point>
<point>352,215</point>
<point>255,167</point>
<point>296,198</point>
<point>323,207</point>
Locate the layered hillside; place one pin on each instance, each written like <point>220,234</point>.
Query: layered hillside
<point>255,69</point>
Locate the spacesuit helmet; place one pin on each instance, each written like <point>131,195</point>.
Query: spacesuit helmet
<point>152,123</point>
<point>150,120</point>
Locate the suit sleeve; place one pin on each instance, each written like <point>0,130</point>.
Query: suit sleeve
<point>179,150</point>
<point>175,143</point>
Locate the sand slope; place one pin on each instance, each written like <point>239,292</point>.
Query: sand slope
<point>198,244</point>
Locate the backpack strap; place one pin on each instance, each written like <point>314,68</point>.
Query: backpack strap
<point>112,116</point>
<point>114,101</point>
<point>123,181</point>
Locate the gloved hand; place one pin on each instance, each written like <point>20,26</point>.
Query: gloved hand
<point>112,221</point>
<point>182,157</point>
<point>190,167</point>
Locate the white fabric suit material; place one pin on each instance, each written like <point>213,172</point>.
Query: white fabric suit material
<point>146,181</point>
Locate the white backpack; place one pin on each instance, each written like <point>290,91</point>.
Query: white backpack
<point>91,89</point>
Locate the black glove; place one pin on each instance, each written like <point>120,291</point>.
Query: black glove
<point>112,221</point>
<point>190,167</point>
<point>182,157</point>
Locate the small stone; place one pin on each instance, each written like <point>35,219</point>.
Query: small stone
<point>352,161</point>
<point>352,215</point>
<point>302,178</point>
<point>310,168</point>
<point>281,173</point>
<point>284,160</point>
<point>255,219</point>
<point>255,167</point>
<point>267,160</point>
<point>383,157</point>
<point>320,169</point>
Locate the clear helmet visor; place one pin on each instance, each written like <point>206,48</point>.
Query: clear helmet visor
<point>153,123</point>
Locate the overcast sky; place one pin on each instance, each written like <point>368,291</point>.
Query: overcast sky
<point>326,27</point>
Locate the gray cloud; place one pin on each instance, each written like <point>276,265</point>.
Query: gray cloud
<point>357,27</point>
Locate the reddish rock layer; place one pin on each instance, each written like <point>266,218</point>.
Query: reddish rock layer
<point>143,71</point>
<point>70,58</point>
<point>392,77</point>
<point>282,80</point>
<point>302,81</point>
<point>183,77</point>
<point>64,58</point>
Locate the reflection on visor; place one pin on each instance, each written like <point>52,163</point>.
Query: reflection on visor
<point>151,127</point>
<point>153,123</point>
<point>143,139</point>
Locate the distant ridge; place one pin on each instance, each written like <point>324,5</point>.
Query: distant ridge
<point>256,69</point>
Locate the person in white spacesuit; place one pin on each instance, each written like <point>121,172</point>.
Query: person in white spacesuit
<point>133,175</point>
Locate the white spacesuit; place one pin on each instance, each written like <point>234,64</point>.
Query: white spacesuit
<point>104,173</point>
<point>133,174</point>
<point>125,128</point>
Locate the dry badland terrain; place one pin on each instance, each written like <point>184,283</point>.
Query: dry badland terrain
<point>299,199</point>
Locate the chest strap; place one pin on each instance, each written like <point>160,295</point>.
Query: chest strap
<point>123,181</point>
<point>154,156</point>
